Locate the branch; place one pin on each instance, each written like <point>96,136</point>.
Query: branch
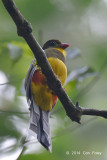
<point>24,29</point>
<point>88,87</point>
<point>94,112</point>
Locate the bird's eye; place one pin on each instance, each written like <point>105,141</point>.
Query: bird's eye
<point>53,43</point>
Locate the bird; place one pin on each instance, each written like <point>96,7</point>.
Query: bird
<point>40,97</point>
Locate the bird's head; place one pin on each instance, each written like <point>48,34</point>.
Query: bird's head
<point>55,44</point>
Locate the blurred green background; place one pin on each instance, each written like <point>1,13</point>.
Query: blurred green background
<point>82,24</point>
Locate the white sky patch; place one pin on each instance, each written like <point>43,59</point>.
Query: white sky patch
<point>98,26</point>
<point>105,1</point>
<point>95,20</point>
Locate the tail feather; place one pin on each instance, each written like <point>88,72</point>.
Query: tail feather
<point>34,114</point>
<point>34,119</point>
<point>39,124</point>
<point>46,116</point>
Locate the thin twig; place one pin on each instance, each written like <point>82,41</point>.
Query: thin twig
<point>23,149</point>
<point>21,153</point>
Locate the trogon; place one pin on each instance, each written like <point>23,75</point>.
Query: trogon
<point>40,97</point>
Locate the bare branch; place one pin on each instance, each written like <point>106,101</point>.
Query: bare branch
<point>94,112</point>
<point>24,29</point>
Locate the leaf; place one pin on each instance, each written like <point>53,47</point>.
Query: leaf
<point>80,74</point>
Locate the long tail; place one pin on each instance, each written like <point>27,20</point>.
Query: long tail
<point>39,119</point>
<point>39,124</point>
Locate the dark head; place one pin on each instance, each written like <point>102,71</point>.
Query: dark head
<point>55,44</point>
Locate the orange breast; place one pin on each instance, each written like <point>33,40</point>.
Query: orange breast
<point>38,77</point>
